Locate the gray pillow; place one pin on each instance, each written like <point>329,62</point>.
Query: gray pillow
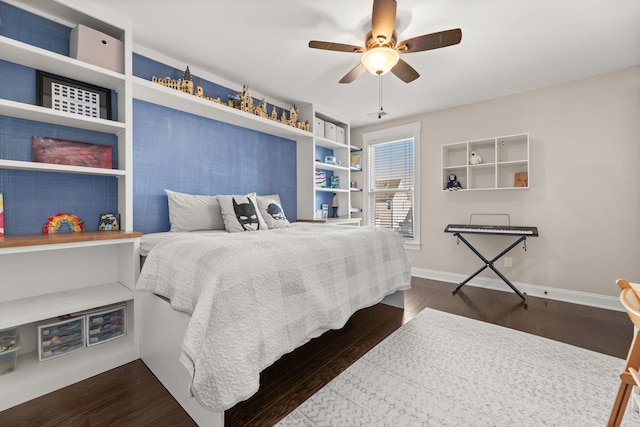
<point>189,212</point>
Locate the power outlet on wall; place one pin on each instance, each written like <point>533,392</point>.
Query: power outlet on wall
<point>508,262</point>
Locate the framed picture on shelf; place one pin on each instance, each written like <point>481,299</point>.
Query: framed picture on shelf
<point>63,152</point>
<point>71,96</point>
<point>109,222</point>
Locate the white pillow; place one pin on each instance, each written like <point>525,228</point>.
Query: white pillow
<point>241,213</point>
<point>272,212</point>
<point>188,212</point>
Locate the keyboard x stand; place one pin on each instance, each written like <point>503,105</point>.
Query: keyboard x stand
<point>490,263</point>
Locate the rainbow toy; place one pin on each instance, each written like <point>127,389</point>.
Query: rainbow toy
<point>54,223</point>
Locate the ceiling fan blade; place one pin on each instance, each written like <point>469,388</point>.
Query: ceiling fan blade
<point>356,72</point>
<point>383,20</point>
<point>430,41</point>
<point>405,72</point>
<point>339,47</point>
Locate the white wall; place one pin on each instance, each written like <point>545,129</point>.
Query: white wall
<point>584,178</point>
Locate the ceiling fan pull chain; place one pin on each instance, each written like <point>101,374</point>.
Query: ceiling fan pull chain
<point>380,95</point>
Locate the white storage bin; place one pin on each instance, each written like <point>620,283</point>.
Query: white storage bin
<point>94,47</point>
<point>340,136</point>
<point>9,346</point>
<point>330,131</point>
<point>318,126</point>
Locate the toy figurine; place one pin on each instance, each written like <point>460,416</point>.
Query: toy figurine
<point>453,183</point>
<point>475,158</point>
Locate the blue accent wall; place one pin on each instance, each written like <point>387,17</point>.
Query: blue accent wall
<point>32,29</point>
<point>187,153</point>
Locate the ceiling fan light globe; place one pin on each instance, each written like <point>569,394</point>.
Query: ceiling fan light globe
<point>380,60</point>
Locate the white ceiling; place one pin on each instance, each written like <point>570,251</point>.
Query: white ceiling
<point>508,46</point>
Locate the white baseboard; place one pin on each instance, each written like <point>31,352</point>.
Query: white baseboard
<point>576,297</point>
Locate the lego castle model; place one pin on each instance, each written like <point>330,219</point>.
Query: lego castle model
<point>241,100</point>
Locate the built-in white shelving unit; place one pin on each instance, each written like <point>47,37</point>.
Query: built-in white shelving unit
<point>504,163</point>
<point>46,276</point>
<point>310,159</point>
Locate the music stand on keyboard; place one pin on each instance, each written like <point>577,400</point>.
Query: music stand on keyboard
<point>496,230</point>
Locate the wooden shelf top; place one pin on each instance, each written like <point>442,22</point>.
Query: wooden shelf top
<point>17,240</point>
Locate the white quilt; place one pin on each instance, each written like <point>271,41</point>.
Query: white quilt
<point>256,296</point>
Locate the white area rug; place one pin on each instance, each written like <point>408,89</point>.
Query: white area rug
<point>445,370</point>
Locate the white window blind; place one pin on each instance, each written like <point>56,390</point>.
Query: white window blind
<point>391,185</point>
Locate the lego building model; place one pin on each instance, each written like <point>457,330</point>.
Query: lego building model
<point>240,100</point>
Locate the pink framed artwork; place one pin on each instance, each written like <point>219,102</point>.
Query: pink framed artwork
<point>73,153</point>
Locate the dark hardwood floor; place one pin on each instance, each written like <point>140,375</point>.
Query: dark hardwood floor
<point>131,396</point>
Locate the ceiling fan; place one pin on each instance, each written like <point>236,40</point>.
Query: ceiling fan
<point>381,51</point>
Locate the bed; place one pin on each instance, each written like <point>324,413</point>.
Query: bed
<point>215,308</point>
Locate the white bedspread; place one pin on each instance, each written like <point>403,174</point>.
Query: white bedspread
<point>255,296</point>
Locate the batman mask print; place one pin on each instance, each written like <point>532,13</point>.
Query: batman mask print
<point>247,215</point>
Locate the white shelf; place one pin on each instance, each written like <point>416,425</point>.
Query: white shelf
<point>514,162</point>
<point>331,190</point>
<point>44,60</point>
<point>343,221</point>
<point>501,159</point>
<point>328,166</point>
<point>50,167</point>
<point>171,98</point>
<point>27,310</point>
<point>47,115</point>
<point>16,243</point>
<point>33,378</point>
<point>329,143</point>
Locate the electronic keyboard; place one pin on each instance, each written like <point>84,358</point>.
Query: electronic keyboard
<point>492,229</point>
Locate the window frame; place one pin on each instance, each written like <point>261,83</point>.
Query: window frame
<point>396,133</point>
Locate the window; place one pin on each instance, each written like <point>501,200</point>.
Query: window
<point>393,181</point>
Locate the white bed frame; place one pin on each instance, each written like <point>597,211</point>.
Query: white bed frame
<point>161,332</point>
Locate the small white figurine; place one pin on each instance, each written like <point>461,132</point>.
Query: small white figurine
<point>474,159</point>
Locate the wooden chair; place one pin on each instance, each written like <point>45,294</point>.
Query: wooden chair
<point>630,298</point>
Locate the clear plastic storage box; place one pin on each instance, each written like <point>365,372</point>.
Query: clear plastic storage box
<point>9,346</point>
<point>59,338</point>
